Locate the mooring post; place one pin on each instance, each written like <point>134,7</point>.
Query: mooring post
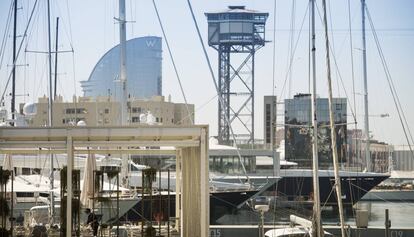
<point>387,223</point>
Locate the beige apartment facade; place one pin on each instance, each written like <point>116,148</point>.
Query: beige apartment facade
<point>104,111</point>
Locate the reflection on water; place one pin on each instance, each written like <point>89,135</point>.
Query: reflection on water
<point>401,215</point>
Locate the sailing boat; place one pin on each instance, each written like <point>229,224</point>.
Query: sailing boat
<point>314,228</point>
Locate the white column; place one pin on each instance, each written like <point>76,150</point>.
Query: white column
<point>205,185</point>
<point>195,190</point>
<point>178,189</point>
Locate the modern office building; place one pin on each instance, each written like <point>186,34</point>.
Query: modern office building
<point>144,72</point>
<point>104,111</point>
<point>298,131</point>
<point>269,117</point>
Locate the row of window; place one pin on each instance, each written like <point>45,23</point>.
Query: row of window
<point>83,111</point>
<point>157,119</point>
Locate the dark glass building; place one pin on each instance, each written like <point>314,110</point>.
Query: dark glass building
<point>144,75</point>
<point>298,139</point>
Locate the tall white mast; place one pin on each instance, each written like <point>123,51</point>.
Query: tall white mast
<point>50,121</point>
<point>122,93</point>
<point>123,66</point>
<point>364,62</point>
<point>332,125</point>
<point>317,230</point>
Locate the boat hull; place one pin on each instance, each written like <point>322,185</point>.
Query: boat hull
<point>354,187</point>
<point>221,203</point>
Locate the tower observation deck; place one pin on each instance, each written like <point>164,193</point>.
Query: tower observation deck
<point>240,32</point>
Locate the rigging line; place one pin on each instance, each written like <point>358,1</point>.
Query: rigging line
<point>70,36</point>
<point>290,47</point>
<point>70,24</point>
<point>36,18</point>
<point>337,70</point>
<point>333,43</point>
<point>274,50</point>
<point>199,108</point>
<point>294,51</point>
<point>227,120</point>
<point>273,94</point>
<point>18,52</point>
<point>6,30</point>
<point>309,53</point>
<point>394,94</point>
<point>352,58</point>
<point>389,78</point>
<point>62,22</point>
<point>172,60</point>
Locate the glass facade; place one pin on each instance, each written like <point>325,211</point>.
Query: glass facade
<point>144,72</point>
<point>298,139</point>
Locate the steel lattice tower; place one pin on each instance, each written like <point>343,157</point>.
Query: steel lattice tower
<point>236,31</point>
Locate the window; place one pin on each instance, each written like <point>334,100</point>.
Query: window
<point>338,106</point>
<point>106,111</point>
<point>136,110</point>
<point>135,119</point>
<point>76,111</point>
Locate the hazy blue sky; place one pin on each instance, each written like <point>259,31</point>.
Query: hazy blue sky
<point>90,26</point>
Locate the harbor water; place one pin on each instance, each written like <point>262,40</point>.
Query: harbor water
<point>401,215</point>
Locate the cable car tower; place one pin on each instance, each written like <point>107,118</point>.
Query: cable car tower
<point>236,30</point>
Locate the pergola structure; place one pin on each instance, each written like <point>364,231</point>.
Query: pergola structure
<point>191,149</point>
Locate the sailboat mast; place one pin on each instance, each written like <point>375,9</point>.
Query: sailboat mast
<point>50,122</point>
<point>317,228</point>
<point>56,57</point>
<point>13,100</point>
<point>123,67</point>
<point>364,63</point>
<point>332,125</point>
<point>122,84</point>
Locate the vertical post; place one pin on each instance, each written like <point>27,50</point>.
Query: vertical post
<point>69,147</point>
<point>168,210</point>
<point>160,204</point>
<point>50,116</point>
<point>117,204</point>
<point>252,102</point>
<point>276,156</point>
<point>142,203</point>
<point>50,66</point>
<point>332,125</point>
<point>13,101</point>
<point>387,223</point>
<point>56,56</point>
<point>178,178</point>
<point>204,183</point>
<point>122,95</point>
<point>366,119</point>
<point>123,59</point>
<point>317,230</point>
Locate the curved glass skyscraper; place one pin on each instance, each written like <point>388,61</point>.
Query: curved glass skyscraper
<point>144,75</point>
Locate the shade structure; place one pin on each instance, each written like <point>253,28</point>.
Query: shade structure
<point>87,191</point>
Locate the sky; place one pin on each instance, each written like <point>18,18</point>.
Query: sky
<point>88,27</point>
